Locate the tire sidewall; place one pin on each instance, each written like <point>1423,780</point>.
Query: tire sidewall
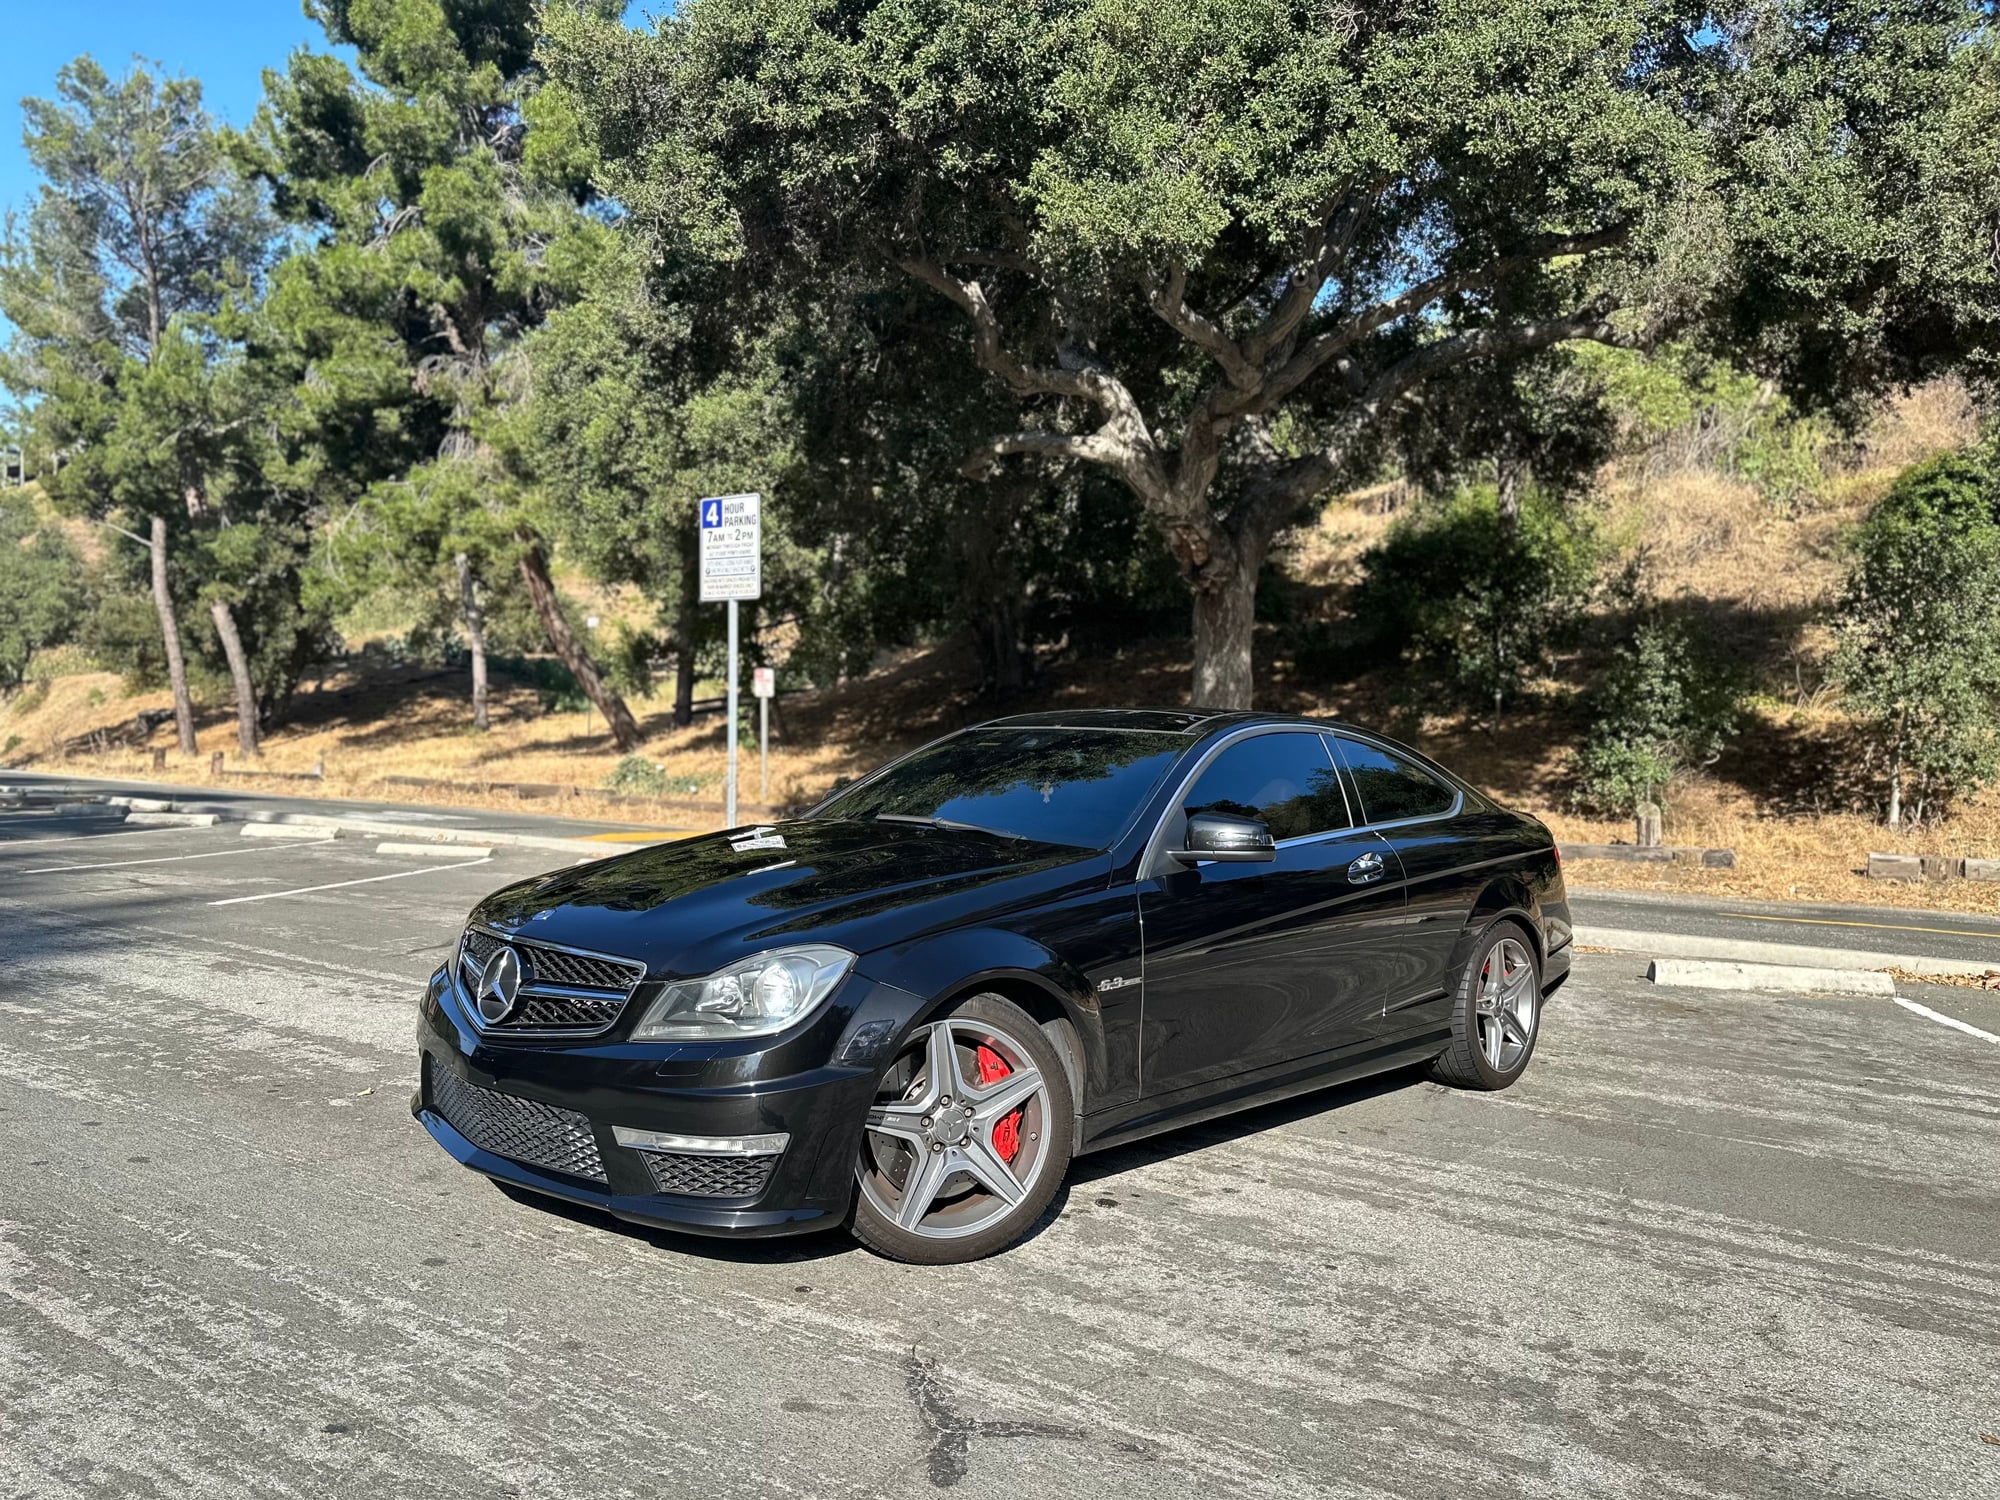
<point>885,1237</point>
<point>1468,993</point>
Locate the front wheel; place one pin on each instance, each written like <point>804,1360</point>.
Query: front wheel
<point>968,1138</point>
<point>1496,1013</point>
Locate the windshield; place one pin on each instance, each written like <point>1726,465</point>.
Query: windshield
<point>1055,786</point>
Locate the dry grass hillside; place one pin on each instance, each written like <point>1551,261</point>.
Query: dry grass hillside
<point>1758,576</point>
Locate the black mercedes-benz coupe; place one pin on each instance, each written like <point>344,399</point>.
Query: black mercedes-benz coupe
<point>908,1009</point>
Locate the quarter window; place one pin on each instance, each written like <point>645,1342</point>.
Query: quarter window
<point>1287,780</point>
<point>1393,787</point>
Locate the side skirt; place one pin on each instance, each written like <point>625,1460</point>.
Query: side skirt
<point>1121,1126</point>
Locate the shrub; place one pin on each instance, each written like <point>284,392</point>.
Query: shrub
<point>41,583</point>
<point>1919,634</point>
<point>1683,410</point>
<point>1474,605</point>
<point>1665,707</point>
<point>641,777</point>
<point>637,775</point>
<point>555,686</point>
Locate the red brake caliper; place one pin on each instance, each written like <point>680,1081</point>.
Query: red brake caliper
<point>1007,1134</point>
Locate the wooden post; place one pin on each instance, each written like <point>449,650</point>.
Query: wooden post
<point>159,757</point>
<point>215,765</point>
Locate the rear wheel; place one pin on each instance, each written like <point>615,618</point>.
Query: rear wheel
<point>968,1138</point>
<point>1496,1013</point>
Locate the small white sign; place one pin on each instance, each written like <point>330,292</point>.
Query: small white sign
<point>763,682</point>
<point>731,547</point>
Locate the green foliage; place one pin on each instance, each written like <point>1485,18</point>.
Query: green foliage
<point>1665,707</point>
<point>639,777</point>
<point>628,660</point>
<point>1682,409</point>
<point>1919,628</point>
<point>1210,246</point>
<point>556,689</point>
<point>41,589</point>
<point>1472,604</point>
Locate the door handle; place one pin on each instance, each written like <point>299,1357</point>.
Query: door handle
<point>1365,869</point>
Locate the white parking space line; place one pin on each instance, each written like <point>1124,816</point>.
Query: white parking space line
<point>334,885</point>
<point>165,859</point>
<point>169,859</point>
<point>79,838</point>
<point>1944,1020</point>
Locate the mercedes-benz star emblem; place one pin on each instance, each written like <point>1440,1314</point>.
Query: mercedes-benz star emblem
<point>499,986</point>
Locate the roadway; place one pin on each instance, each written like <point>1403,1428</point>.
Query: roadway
<point>1714,1244</point>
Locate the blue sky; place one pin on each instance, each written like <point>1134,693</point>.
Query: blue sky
<point>227,44</point>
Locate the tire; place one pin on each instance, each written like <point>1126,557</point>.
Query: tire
<point>1472,1060</point>
<point>983,1183</point>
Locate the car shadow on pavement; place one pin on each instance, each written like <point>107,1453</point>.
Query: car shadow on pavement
<point>1189,1139</point>
<point>1093,1170</point>
<point>789,1248</point>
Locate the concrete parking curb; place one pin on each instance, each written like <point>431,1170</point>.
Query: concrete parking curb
<point>1714,974</point>
<point>431,851</point>
<point>1807,955</point>
<point>481,837</point>
<point>173,819</point>
<point>287,831</point>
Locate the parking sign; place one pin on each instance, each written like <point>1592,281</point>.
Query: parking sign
<point>731,544</point>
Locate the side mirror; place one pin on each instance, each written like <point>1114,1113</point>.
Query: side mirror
<point>1226,838</point>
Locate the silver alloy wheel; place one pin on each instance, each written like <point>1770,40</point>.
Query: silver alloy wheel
<point>953,1180</point>
<point>1505,1005</point>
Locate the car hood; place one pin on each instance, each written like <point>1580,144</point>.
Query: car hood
<point>692,906</point>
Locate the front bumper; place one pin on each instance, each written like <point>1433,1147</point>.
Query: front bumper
<point>710,1089</point>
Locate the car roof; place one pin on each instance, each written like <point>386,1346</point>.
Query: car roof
<point>1193,722</point>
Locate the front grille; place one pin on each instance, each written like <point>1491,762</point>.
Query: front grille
<point>709,1176</point>
<point>521,1129</point>
<point>560,991</point>
<point>564,1012</point>
<point>577,970</point>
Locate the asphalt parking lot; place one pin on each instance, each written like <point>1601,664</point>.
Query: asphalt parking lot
<point>1714,1244</point>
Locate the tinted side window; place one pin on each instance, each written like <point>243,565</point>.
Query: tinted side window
<point>1288,780</point>
<point>1391,786</point>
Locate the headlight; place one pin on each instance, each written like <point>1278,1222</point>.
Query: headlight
<point>756,997</point>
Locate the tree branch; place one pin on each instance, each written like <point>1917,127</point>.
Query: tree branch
<point>1088,446</point>
<point>1123,442</point>
<point>1274,499</point>
<point>1170,302</point>
<point>1337,235</point>
<point>1307,361</point>
<point>1592,322</point>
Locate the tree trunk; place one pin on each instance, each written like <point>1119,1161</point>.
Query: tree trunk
<point>475,637</point>
<point>1006,662</point>
<point>1896,792</point>
<point>239,672</point>
<point>684,625</point>
<point>542,591</point>
<point>1509,486</point>
<point>170,638</point>
<point>1225,607</point>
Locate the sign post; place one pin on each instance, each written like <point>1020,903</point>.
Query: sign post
<point>763,682</point>
<point>731,528</point>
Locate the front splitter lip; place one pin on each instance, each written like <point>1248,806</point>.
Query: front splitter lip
<point>656,1212</point>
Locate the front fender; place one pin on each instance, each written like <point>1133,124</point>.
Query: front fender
<point>948,966</point>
